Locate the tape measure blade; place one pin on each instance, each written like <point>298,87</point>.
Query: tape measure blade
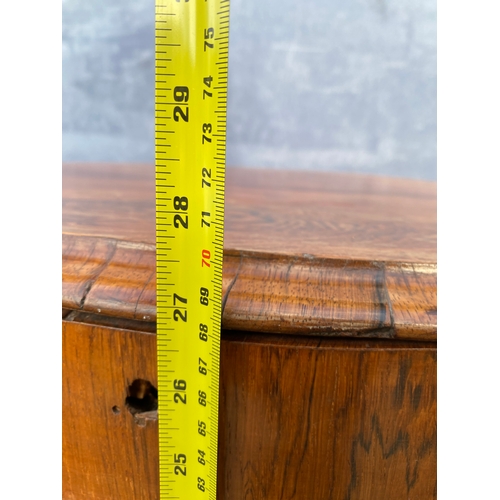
<point>190,137</point>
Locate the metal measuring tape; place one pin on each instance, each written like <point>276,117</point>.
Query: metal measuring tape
<point>192,39</point>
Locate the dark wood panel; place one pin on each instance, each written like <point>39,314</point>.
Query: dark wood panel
<point>106,455</point>
<point>299,417</point>
<point>327,419</point>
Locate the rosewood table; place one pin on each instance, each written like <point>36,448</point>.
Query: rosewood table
<point>328,355</point>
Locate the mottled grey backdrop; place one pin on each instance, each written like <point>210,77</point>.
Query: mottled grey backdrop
<point>321,84</point>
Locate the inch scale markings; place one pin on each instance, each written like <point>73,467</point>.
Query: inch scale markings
<point>190,136</point>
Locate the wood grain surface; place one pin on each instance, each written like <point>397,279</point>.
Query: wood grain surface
<point>313,254</point>
<point>300,418</point>
<point>327,419</point>
<point>342,216</point>
<point>106,455</point>
<point>262,293</point>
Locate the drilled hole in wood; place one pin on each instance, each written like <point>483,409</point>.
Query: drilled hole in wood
<point>142,397</point>
<point>116,410</point>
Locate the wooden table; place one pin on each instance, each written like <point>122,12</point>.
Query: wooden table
<point>328,355</point>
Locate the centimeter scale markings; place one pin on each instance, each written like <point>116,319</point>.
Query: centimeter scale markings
<point>192,39</point>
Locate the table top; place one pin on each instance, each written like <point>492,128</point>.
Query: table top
<point>305,253</point>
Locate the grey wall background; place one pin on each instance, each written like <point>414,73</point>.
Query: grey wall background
<point>346,85</point>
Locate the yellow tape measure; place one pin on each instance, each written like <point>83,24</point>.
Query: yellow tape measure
<point>190,97</point>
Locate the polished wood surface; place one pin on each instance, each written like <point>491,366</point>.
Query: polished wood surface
<point>336,216</point>
<point>299,417</point>
<point>336,254</point>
